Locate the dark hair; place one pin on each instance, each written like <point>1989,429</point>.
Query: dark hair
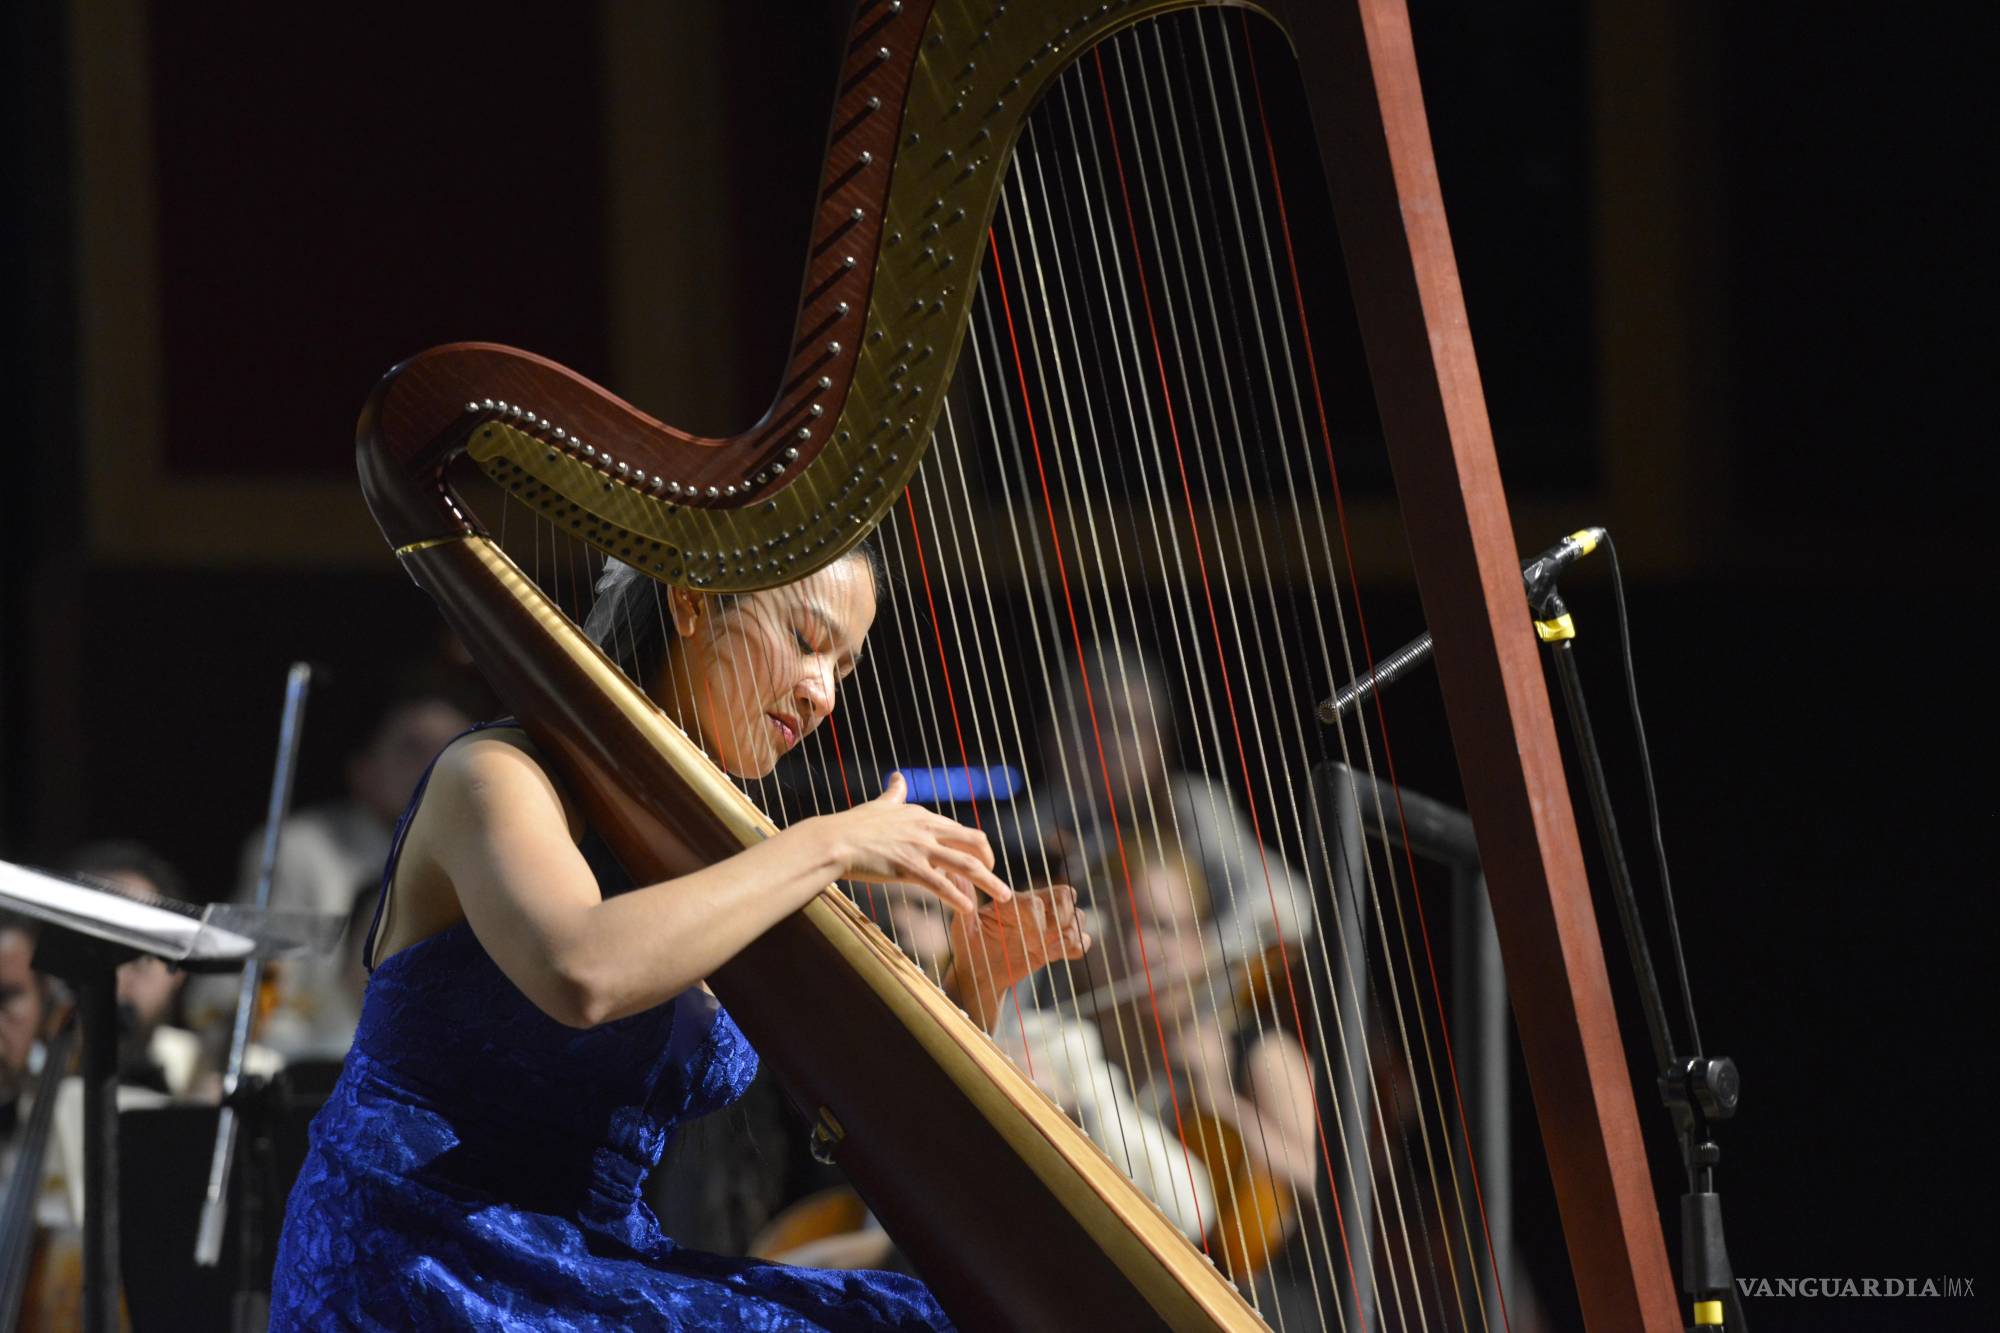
<point>630,624</point>
<point>110,856</point>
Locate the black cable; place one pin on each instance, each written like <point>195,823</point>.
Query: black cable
<point>1652,796</point>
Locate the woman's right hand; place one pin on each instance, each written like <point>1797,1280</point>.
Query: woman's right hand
<point>889,841</point>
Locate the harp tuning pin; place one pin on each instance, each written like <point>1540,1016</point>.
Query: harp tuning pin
<point>791,455</point>
<point>857,215</point>
<point>673,487</point>
<point>865,158</point>
<point>777,469</point>
<point>842,308</point>
<point>804,432</point>
<point>713,493</point>
<point>826,381</point>
<point>472,407</point>
<point>659,484</point>
<point>874,103</point>
<point>816,410</point>
<point>624,469</point>
<point>881,53</point>
<point>561,434</point>
<point>638,476</point>
<point>590,451</point>
<point>486,403</point>
<point>730,489</point>
<point>833,349</point>
<point>847,261</point>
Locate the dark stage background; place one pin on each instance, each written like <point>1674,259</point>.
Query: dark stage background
<point>1719,266</point>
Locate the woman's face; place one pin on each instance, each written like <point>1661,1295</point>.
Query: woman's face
<point>753,677</point>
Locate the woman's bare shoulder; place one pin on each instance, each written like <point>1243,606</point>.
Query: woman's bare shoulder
<point>502,764</point>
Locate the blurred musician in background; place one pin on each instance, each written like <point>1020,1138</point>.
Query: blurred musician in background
<point>23,1007</point>
<point>329,856</point>
<point>1125,727</point>
<point>1167,1051</point>
<point>152,1052</point>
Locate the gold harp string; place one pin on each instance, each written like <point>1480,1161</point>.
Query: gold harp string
<point>1142,418</point>
<point>1201,377</point>
<point>976,576</point>
<point>1009,448</point>
<point>981,679</point>
<point>1195,541</point>
<point>1091,677</point>
<point>1242,423</point>
<point>979,965</point>
<point>1278,195</point>
<point>1040,260</point>
<point>1063,582</point>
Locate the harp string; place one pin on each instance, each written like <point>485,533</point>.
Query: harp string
<point>1077,351</point>
<point>1197,379</point>
<point>1068,346</point>
<point>978,962</point>
<point>1106,1081</point>
<point>1248,421</point>
<point>1111,573</point>
<point>1200,386</point>
<point>1063,975</point>
<point>1201,561</point>
<point>970,640</point>
<point>1284,231</point>
<point>1320,937</point>
<point>1152,510</point>
<point>1090,708</point>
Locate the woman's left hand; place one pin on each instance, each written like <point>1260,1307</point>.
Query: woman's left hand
<point>995,948</point>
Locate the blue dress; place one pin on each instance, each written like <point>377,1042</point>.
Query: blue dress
<point>479,1165</point>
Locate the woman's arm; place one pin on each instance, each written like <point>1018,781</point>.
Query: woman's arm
<point>501,838</point>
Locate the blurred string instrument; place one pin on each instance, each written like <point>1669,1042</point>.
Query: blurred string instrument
<point>1054,347</point>
<point>41,1265</point>
<point>41,1272</point>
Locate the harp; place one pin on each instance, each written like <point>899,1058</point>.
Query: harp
<point>921,258</point>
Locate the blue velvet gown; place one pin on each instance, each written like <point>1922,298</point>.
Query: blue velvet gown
<point>479,1165</point>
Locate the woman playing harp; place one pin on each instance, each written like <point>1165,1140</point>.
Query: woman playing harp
<point>532,1035</point>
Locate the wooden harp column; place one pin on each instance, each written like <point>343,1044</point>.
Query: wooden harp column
<point>1412,316</point>
<point>930,99</point>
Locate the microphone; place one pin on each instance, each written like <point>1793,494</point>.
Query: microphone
<point>1540,576</point>
<point>1540,573</point>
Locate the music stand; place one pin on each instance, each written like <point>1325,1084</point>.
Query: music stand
<point>86,934</point>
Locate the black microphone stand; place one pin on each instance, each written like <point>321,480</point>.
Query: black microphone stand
<point>1698,1090</point>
